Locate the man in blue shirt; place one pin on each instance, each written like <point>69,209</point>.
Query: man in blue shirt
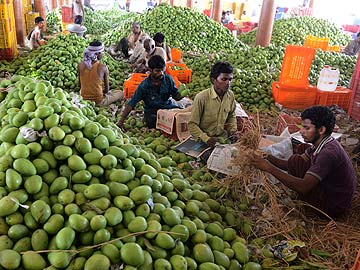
<point>155,91</point>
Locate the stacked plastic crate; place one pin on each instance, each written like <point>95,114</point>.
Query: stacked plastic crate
<point>8,43</point>
<point>30,20</point>
<point>354,110</point>
<point>293,90</point>
<point>25,9</point>
<point>66,17</point>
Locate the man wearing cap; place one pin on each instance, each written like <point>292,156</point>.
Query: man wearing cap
<point>94,77</point>
<point>141,65</point>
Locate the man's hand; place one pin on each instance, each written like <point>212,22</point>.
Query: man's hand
<point>120,124</point>
<point>261,163</point>
<point>212,141</point>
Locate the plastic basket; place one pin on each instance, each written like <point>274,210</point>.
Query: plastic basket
<point>176,54</point>
<point>66,12</point>
<point>183,74</point>
<point>316,42</point>
<point>286,121</point>
<point>296,66</point>
<point>341,97</point>
<point>5,10</point>
<point>294,97</point>
<point>8,40</point>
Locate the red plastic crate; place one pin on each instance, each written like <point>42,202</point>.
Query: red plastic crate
<point>286,121</point>
<point>184,74</point>
<point>356,74</point>
<point>341,97</point>
<point>66,14</point>
<point>354,110</point>
<point>296,65</point>
<point>294,97</point>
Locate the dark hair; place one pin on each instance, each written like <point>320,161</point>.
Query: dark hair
<point>135,24</point>
<point>358,34</point>
<point>156,61</point>
<point>320,116</point>
<point>159,37</point>
<point>38,20</point>
<point>220,67</point>
<point>95,42</point>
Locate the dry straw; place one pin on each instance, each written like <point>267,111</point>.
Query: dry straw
<point>282,215</point>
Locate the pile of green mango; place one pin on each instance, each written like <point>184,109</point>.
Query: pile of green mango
<point>77,193</point>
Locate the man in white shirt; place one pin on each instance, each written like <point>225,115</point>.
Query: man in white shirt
<point>78,12</point>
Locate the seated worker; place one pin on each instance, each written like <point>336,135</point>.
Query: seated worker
<point>35,37</point>
<point>159,39</point>
<point>139,49</point>
<point>214,108</point>
<point>323,176</point>
<point>126,45</point>
<point>94,77</point>
<point>78,12</point>
<point>141,65</point>
<point>353,47</point>
<point>155,91</point>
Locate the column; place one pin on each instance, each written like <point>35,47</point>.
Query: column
<point>52,4</point>
<point>266,21</point>
<point>190,3</point>
<point>19,22</point>
<point>39,6</point>
<point>172,3</point>
<point>311,4</point>
<point>216,10</point>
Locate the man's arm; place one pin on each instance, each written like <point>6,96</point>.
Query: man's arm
<point>300,185</point>
<point>280,163</point>
<point>124,115</point>
<point>168,53</point>
<point>106,79</point>
<point>78,70</point>
<point>83,12</point>
<point>72,9</point>
<point>231,120</point>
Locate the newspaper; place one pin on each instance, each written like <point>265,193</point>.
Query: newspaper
<point>220,159</point>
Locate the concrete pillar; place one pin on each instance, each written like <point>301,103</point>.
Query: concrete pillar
<point>39,6</point>
<point>19,23</point>
<point>172,3</point>
<point>190,3</point>
<point>266,21</point>
<point>216,10</point>
<point>311,4</point>
<point>52,4</point>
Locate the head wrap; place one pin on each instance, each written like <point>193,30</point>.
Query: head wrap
<point>90,54</point>
<point>151,45</point>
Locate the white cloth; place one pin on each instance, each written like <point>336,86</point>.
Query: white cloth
<point>35,36</point>
<point>77,8</point>
<point>90,54</point>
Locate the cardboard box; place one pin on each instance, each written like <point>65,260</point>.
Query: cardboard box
<point>174,123</point>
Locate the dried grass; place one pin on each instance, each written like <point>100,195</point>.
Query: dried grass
<point>283,215</point>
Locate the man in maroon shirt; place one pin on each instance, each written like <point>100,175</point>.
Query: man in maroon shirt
<point>323,175</point>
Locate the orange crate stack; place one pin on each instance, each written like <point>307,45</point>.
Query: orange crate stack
<point>293,90</point>
<point>335,48</point>
<point>183,73</point>
<point>316,42</point>
<point>294,97</point>
<point>341,97</point>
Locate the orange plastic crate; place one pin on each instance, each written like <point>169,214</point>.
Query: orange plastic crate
<point>335,48</point>
<point>293,97</point>
<point>135,79</point>
<point>184,74</point>
<point>176,54</point>
<point>341,97</point>
<point>317,42</point>
<point>296,65</point>
<point>8,40</point>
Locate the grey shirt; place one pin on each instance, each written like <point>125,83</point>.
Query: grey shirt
<point>352,48</point>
